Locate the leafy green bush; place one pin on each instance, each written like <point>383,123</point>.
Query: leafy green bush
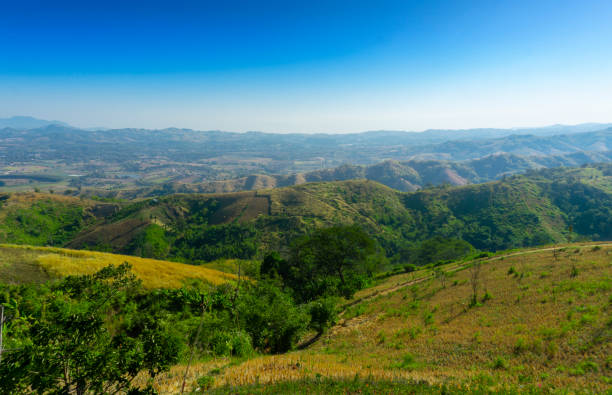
<point>323,313</point>
<point>66,346</point>
<point>409,268</point>
<point>270,317</point>
<point>206,382</point>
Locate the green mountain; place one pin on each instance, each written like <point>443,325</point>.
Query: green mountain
<point>535,208</point>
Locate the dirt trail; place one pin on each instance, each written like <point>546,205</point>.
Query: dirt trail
<point>454,268</point>
<point>460,267</point>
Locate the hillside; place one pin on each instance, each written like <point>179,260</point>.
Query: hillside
<point>522,210</point>
<point>540,207</point>
<point>406,176</point>
<point>541,324</point>
<point>28,264</point>
<point>47,219</point>
<point>138,162</point>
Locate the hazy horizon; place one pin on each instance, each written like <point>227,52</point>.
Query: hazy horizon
<point>320,67</point>
<point>100,127</point>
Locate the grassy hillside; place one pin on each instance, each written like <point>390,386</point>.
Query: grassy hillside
<point>540,207</point>
<point>26,264</point>
<point>541,323</point>
<point>47,219</point>
<point>404,176</point>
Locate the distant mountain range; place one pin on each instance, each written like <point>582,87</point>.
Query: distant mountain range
<point>143,162</point>
<point>404,176</point>
<point>24,122</point>
<point>392,136</point>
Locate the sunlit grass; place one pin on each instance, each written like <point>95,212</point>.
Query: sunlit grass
<point>545,324</point>
<point>59,262</point>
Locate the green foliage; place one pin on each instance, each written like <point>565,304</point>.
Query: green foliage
<point>274,322</point>
<point>334,261</point>
<point>151,243</point>
<point>65,344</point>
<point>409,268</point>
<point>486,297</point>
<point>44,222</point>
<point>436,249</point>
<point>205,382</point>
<point>323,313</point>
<point>428,226</point>
<point>201,243</point>
<point>500,363</point>
<point>407,362</point>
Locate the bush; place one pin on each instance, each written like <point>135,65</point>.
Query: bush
<point>270,317</point>
<point>487,296</point>
<point>500,363</point>
<point>241,344</point>
<point>408,362</point>
<point>520,346</point>
<point>409,268</point>
<point>323,313</point>
<point>221,344</point>
<point>206,382</point>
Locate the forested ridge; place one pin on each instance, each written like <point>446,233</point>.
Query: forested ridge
<point>539,207</point>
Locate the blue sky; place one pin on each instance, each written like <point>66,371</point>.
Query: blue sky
<point>312,66</point>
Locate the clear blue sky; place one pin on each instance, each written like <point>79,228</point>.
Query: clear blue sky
<point>307,66</point>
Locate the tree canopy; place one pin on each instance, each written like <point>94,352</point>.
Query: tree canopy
<point>84,336</point>
<point>335,261</point>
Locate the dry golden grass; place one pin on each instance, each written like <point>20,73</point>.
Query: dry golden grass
<point>548,322</point>
<point>59,262</point>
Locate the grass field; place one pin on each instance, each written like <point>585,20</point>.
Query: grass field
<point>19,264</point>
<point>542,322</point>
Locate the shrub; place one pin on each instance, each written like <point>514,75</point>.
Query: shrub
<point>574,271</point>
<point>323,313</point>
<point>241,344</point>
<point>206,382</point>
<point>270,317</point>
<point>487,296</point>
<point>408,362</point>
<point>221,343</point>
<point>500,363</point>
<point>409,268</point>
<point>428,317</point>
<point>520,346</point>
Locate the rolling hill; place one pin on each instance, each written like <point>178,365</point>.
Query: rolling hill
<point>541,324</point>
<point>406,176</point>
<point>540,207</point>
<point>164,161</point>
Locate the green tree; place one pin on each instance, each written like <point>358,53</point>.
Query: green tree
<point>270,317</point>
<point>83,337</point>
<point>335,261</point>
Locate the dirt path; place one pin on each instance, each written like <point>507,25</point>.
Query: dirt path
<point>453,269</point>
<point>460,267</point>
